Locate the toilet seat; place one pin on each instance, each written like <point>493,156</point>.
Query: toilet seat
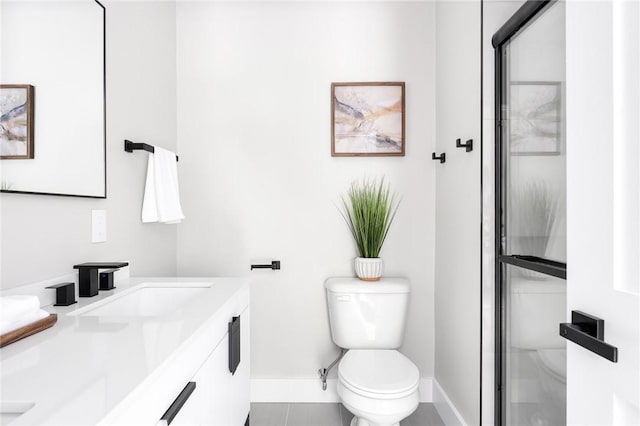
<point>378,374</point>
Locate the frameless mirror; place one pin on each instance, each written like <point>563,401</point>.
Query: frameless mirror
<point>52,97</point>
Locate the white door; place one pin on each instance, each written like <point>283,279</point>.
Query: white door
<point>603,188</point>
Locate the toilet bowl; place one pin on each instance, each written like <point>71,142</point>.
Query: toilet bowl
<point>380,387</point>
<point>537,307</point>
<point>551,373</point>
<point>552,367</point>
<point>376,383</point>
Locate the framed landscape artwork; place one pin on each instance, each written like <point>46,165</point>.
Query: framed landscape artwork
<point>367,119</point>
<point>16,121</point>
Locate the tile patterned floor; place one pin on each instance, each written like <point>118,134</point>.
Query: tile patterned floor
<point>267,414</point>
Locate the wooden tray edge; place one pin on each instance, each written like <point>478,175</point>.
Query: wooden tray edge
<point>28,330</point>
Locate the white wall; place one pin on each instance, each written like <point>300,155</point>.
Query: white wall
<point>457,269</point>
<point>43,237</point>
<point>258,179</point>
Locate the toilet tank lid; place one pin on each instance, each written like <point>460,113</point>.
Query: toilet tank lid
<point>355,285</point>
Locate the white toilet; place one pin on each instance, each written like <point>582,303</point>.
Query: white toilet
<point>537,307</point>
<point>376,383</point>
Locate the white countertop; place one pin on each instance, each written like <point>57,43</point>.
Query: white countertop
<point>80,369</point>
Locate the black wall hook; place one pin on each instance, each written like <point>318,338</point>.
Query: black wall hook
<point>468,145</point>
<point>442,157</point>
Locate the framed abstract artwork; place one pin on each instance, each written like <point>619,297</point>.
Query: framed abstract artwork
<point>535,124</point>
<point>16,121</point>
<point>367,119</point>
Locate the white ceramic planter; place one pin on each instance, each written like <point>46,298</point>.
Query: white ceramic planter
<point>369,269</point>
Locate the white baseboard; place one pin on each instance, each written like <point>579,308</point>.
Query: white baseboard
<point>310,390</point>
<point>447,411</point>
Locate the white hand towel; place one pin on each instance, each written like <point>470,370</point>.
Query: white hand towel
<point>161,193</point>
<point>13,308</point>
<point>9,326</point>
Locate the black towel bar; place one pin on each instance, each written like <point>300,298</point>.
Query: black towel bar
<point>130,146</point>
<point>275,265</point>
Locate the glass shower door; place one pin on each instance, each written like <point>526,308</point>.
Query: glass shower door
<point>531,244</point>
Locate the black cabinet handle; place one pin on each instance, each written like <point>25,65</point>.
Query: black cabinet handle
<point>179,402</point>
<point>588,332</point>
<point>234,344</point>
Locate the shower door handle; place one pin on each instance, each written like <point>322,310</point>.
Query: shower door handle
<point>588,332</point>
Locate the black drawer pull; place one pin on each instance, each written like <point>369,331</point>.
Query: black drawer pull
<point>588,332</point>
<point>234,344</point>
<point>179,402</point>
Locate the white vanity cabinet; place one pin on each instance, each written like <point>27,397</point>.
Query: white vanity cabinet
<point>124,357</point>
<point>219,398</point>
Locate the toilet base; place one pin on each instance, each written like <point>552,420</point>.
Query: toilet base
<point>377,412</point>
<point>362,422</point>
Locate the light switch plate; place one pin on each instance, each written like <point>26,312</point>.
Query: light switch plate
<point>98,226</point>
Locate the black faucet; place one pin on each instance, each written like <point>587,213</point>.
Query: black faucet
<point>88,276</point>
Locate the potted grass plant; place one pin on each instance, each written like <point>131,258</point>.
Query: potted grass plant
<point>533,217</point>
<point>369,208</point>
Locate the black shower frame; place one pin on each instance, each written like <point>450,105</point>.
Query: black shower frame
<point>520,19</point>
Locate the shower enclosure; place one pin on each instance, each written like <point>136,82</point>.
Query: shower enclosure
<point>530,216</point>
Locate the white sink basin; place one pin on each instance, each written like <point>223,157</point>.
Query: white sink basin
<point>11,410</point>
<point>145,300</point>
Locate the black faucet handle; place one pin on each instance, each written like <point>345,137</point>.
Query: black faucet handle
<point>106,279</point>
<point>65,294</point>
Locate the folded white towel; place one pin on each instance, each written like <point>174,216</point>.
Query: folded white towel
<point>13,308</point>
<point>9,326</point>
<point>161,193</point>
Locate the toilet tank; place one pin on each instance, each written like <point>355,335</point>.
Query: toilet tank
<point>367,315</point>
